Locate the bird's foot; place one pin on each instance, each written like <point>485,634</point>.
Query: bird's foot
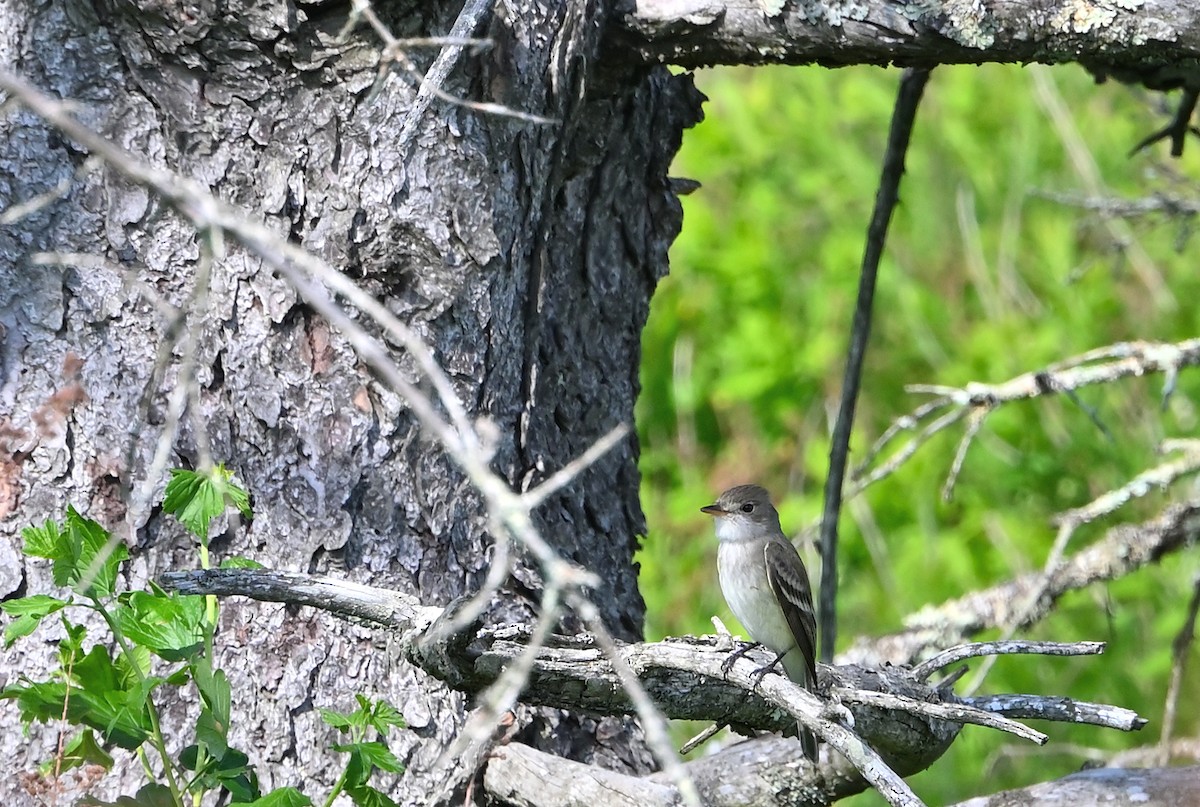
<point>742,650</point>
<point>757,676</point>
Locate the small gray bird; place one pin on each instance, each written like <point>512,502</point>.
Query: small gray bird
<point>766,585</point>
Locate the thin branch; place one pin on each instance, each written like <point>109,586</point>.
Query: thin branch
<point>904,113</point>
<point>963,652</point>
<point>461,759</point>
<point>701,33</point>
<point>1159,477</point>
<point>1179,127</point>
<point>565,475</point>
<point>1123,549</point>
<point>1040,707</point>
<point>430,84</point>
<point>1106,504</point>
<point>1180,649</point>
<point>16,212</point>
<point>956,712</point>
<point>1048,96</point>
<point>1100,366</point>
<point>657,734</point>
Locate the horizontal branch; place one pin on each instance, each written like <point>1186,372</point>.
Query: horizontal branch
<point>909,723</point>
<point>1063,710</point>
<point>1154,41</point>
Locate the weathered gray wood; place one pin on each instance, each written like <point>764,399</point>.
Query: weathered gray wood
<point>1153,40</point>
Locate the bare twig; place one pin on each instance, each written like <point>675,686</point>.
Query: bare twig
<point>974,649</point>
<point>1124,548</point>
<point>1128,208</point>
<point>1180,649</point>
<point>1040,707</point>
<point>904,113</point>
<point>956,712</point>
<point>1179,127</point>
<point>1047,94</point>
<point>657,734</point>
<point>430,84</point>
<point>1099,366</point>
<point>563,477</point>
<point>18,211</point>
<point>1106,504</point>
<point>1156,478</point>
<point>461,759</point>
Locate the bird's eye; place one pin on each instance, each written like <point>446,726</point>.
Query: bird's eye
<point>748,507</point>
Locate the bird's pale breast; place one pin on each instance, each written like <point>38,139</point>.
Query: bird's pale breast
<point>743,576</point>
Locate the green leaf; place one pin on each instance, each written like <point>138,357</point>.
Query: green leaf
<point>170,625</point>
<point>88,557</point>
<point>100,694</point>
<point>38,605</point>
<point>211,733</point>
<point>70,647</point>
<point>238,562</point>
<point>335,719</point>
<point>151,795</point>
<point>216,712</point>
<point>81,750</point>
<point>135,664</point>
<point>379,755</point>
<point>107,711</point>
<point>364,758</point>
<point>229,770</point>
<point>44,541</point>
<point>41,702</point>
<point>365,796</point>
<point>23,625</point>
<point>29,612</point>
<point>385,716</point>
<point>282,797</point>
<point>196,499</point>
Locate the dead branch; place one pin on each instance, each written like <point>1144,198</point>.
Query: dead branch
<point>908,722</point>
<point>1154,40</point>
<point>1113,787</point>
<point>1123,549</point>
<point>977,400</point>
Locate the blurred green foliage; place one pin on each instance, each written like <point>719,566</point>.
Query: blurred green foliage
<point>984,278</point>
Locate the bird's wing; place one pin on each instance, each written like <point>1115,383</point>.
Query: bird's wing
<point>789,581</point>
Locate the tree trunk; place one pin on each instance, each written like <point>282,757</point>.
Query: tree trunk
<point>524,253</point>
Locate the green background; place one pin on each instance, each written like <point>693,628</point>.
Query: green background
<point>985,277</point>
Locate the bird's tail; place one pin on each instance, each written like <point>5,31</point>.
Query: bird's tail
<point>798,670</point>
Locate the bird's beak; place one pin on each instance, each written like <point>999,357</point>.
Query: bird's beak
<point>713,510</point>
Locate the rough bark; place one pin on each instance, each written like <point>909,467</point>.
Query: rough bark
<point>525,254</point>
<point>1118,787</point>
<point>1156,39</point>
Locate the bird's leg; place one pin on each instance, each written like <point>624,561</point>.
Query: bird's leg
<point>728,663</point>
<point>757,676</point>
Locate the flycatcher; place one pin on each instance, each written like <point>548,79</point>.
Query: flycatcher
<point>766,585</point>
